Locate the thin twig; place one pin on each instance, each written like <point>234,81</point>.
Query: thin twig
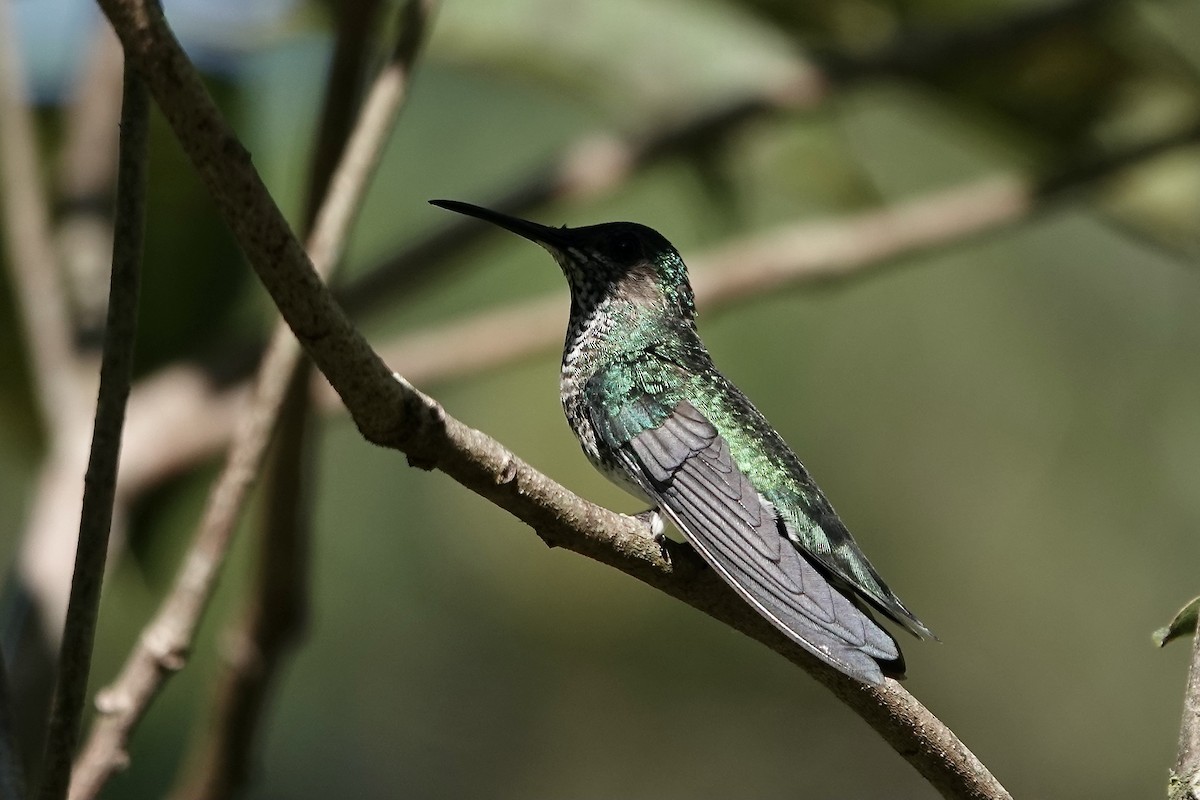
<point>116,370</point>
<point>163,646</point>
<point>87,171</point>
<point>1185,776</point>
<point>364,148</point>
<point>356,24</point>
<point>390,412</point>
<point>164,643</point>
<point>255,648</point>
<point>41,300</point>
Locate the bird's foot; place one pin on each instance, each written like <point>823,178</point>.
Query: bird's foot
<point>655,521</point>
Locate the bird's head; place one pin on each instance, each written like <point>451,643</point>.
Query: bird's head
<point>613,260</point>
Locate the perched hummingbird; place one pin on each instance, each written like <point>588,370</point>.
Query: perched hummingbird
<point>656,417</point>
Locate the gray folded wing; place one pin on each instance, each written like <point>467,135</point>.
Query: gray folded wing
<point>686,466</point>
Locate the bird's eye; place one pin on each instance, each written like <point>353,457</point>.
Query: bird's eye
<point>625,248</point>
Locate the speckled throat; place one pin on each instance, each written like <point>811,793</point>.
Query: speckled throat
<point>583,355</point>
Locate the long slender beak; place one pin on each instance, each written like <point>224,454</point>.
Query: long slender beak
<point>551,238</point>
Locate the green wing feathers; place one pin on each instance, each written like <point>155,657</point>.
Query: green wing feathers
<point>747,505</point>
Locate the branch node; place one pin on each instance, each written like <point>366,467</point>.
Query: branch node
<point>546,537</point>
<point>424,418</point>
<point>421,462</point>
<point>111,701</point>
<point>169,655</point>
<point>508,473</point>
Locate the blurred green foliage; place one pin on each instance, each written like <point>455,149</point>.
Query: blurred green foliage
<point>1010,427</point>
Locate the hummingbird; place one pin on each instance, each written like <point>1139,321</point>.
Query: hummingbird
<point>655,416</point>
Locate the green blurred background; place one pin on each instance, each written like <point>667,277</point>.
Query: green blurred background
<point>1011,427</point>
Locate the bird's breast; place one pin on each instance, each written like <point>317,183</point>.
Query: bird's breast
<point>580,419</point>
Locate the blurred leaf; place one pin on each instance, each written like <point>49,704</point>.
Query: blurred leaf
<point>812,168</point>
<point>1161,200</point>
<point>678,54</point>
<point>1184,624</point>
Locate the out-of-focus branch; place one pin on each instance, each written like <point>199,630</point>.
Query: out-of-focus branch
<point>88,168</point>
<point>594,165</point>
<point>163,646</point>
<point>356,24</point>
<point>791,255</point>
<point>116,371</point>
<point>915,52</point>
<point>41,580</point>
<point>83,241</point>
<point>1088,171</point>
<point>41,301</point>
<point>840,248</point>
<point>254,649</point>
<point>738,271</point>
<point>150,45</point>
<point>391,413</point>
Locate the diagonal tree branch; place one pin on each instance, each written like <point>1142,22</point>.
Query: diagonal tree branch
<point>116,370</point>
<point>391,413</point>
<point>163,646</point>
